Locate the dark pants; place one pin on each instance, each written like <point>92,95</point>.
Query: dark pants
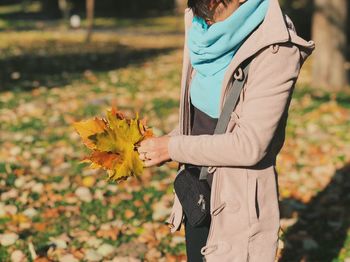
<point>196,238</point>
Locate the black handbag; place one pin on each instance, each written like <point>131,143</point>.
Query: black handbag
<point>194,195</point>
<point>191,183</point>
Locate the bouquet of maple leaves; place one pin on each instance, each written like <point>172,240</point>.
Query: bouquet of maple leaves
<point>113,141</point>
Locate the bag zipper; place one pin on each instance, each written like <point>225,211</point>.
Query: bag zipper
<point>201,202</point>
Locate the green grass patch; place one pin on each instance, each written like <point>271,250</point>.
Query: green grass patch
<point>164,107</point>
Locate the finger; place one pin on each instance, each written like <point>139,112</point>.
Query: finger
<point>153,155</point>
<point>147,164</point>
<point>146,142</point>
<point>161,163</point>
<point>152,162</point>
<point>146,146</point>
<point>142,157</point>
<point>149,143</point>
<point>142,149</point>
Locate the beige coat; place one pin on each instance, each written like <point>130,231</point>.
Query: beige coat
<point>244,197</point>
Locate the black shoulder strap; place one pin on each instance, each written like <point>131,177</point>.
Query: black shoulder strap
<point>229,106</point>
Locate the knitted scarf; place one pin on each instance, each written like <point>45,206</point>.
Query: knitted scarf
<point>212,48</point>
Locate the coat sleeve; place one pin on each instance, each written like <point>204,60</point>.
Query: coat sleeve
<point>270,82</point>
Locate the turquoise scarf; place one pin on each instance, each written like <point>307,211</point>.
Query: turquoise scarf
<point>213,47</point>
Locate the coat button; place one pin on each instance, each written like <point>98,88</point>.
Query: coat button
<point>274,48</point>
<point>212,169</point>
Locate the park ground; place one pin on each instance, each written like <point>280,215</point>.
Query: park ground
<point>52,208</point>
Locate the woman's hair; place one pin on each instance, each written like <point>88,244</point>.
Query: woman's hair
<point>201,7</point>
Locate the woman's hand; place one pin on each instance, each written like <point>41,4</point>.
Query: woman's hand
<point>154,151</point>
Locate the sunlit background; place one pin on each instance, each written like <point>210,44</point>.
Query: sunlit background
<point>63,61</point>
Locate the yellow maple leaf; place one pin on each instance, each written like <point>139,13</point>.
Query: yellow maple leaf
<point>113,141</point>
<point>89,127</point>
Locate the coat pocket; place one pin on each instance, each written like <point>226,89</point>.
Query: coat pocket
<point>254,199</point>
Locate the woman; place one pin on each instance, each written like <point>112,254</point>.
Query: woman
<point>220,36</point>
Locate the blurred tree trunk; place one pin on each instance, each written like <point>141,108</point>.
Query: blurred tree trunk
<point>90,6</point>
<point>329,29</point>
<point>64,8</point>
